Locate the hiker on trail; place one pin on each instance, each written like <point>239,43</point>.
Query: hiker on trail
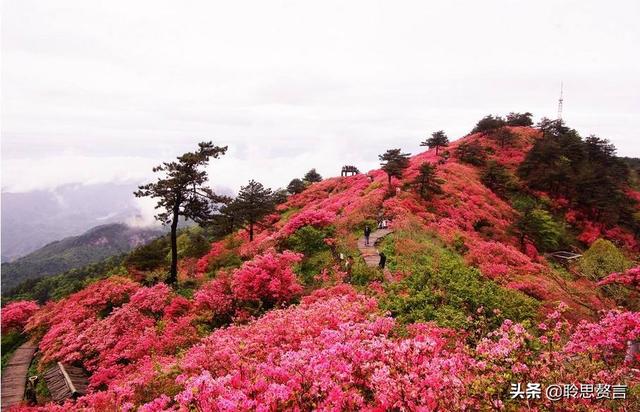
<point>348,268</point>
<point>383,259</point>
<point>367,232</point>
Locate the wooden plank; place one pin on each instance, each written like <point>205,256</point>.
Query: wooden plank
<point>14,376</point>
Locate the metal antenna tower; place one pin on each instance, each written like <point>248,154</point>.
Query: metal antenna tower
<point>560,100</point>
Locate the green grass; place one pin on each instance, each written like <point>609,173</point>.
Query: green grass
<point>10,342</point>
<point>440,287</point>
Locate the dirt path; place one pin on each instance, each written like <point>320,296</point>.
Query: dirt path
<point>14,376</point>
<point>369,252</point>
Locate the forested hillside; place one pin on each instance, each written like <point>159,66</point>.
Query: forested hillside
<point>75,252</point>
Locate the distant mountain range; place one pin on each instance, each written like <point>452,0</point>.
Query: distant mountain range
<point>76,251</point>
<point>32,219</point>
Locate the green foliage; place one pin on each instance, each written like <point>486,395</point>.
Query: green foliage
<point>362,275</point>
<point>437,140</point>
<point>538,226</point>
<point>519,119</point>
<point>471,152</point>
<point>394,162</point>
<point>312,265</point>
<point>309,240</point>
<point>295,186</point>
<point>254,201</point>
<point>440,287</point>
<point>59,286</point>
<point>488,124</point>
<point>280,196</point>
<point>497,178</point>
<point>427,183</point>
<point>181,191</point>
<point>633,163</point>
<point>74,252</point>
<point>192,243</point>
<point>312,176</point>
<point>149,256</point>
<point>601,259</point>
<point>586,172</point>
<point>10,342</point>
<point>503,136</point>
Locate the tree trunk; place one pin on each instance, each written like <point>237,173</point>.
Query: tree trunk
<point>250,231</point>
<point>173,274</point>
<point>437,147</point>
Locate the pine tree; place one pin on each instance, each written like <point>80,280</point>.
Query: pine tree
<point>438,139</point>
<point>519,119</point>
<point>427,182</point>
<point>497,178</point>
<point>394,162</point>
<point>472,153</point>
<point>295,186</point>
<point>536,225</point>
<point>312,176</point>
<point>253,203</point>
<point>488,124</point>
<point>504,136</point>
<point>181,192</point>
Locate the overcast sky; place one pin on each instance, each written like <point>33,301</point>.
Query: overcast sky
<point>97,91</point>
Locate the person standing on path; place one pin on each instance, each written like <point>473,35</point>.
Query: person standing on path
<point>383,259</point>
<point>367,233</point>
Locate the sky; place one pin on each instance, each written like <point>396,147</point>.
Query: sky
<point>101,91</point>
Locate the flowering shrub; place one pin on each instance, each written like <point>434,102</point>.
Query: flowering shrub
<point>223,253</point>
<point>315,218</point>
<point>496,259</point>
<point>266,281</point>
<point>630,278</point>
<point>16,314</point>
<point>268,278</point>
<point>63,323</point>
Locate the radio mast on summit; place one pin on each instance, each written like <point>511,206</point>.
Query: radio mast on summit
<point>560,103</point>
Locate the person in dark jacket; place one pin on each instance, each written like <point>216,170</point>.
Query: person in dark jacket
<point>367,233</point>
<point>383,259</point>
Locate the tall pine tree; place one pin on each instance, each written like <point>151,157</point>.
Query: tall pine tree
<point>427,182</point>
<point>437,140</point>
<point>253,203</point>
<point>181,192</point>
<point>394,162</point>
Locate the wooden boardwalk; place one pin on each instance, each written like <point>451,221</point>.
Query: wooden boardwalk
<point>369,252</point>
<point>14,376</point>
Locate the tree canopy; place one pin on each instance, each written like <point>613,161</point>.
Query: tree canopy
<point>254,201</point>
<point>181,192</point>
<point>472,153</point>
<point>295,186</point>
<point>437,140</point>
<point>585,172</point>
<point>519,119</point>
<point>312,176</point>
<point>427,183</point>
<point>394,162</point>
<point>488,124</point>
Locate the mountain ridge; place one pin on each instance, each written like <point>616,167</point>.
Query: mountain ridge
<point>74,252</point>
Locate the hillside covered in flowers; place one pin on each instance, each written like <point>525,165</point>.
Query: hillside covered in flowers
<point>471,302</point>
